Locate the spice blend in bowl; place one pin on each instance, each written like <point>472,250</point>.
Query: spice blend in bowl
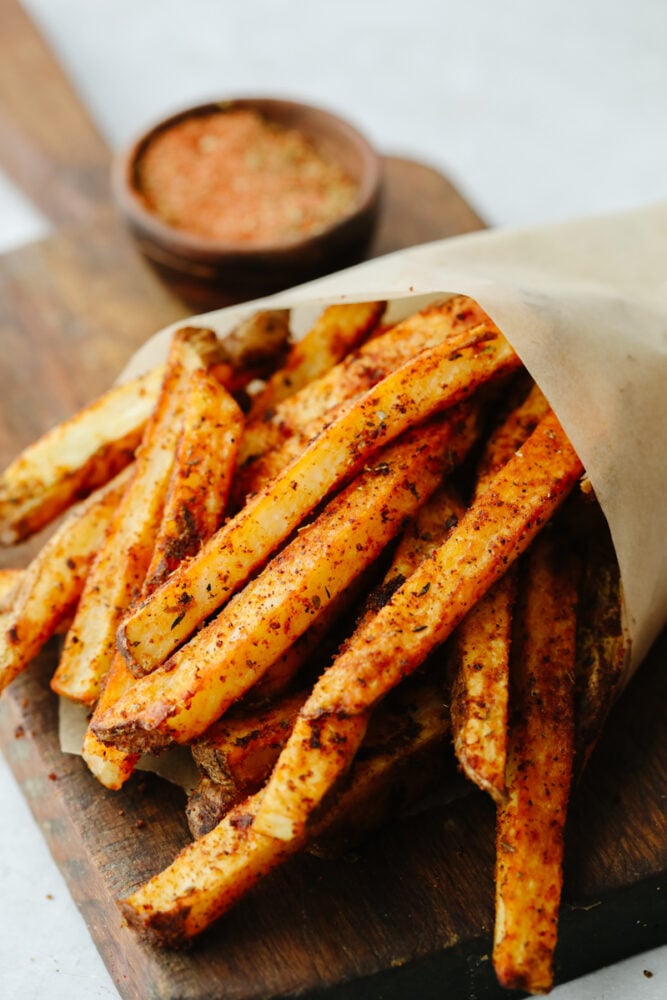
<point>238,177</point>
<point>249,196</point>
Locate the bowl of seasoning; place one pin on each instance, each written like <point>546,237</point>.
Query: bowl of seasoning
<point>244,197</point>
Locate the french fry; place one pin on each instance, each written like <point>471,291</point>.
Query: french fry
<point>483,639</point>
<point>119,570</point>
<point>112,767</point>
<point>310,646</point>
<point>480,689</point>
<point>433,381</point>
<point>254,348</point>
<point>423,612</point>
<point>255,475</point>
<point>75,458</point>
<point>179,700</point>
<point>49,588</point>
<point>201,478</point>
<point>214,872</point>
<point>196,497</point>
<point>338,330</point>
<point>529,832</point>
<point>358,372</point>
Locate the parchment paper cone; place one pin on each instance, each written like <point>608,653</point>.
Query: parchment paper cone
<point>584,304</point>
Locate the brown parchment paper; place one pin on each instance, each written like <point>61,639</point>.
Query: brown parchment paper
<point>584,304</point>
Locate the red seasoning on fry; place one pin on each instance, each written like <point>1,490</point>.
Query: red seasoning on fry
<point>234,176</point>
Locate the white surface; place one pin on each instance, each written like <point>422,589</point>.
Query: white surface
<point>536,111</point>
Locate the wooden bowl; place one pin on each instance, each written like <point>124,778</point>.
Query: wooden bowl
<point>208,271</point>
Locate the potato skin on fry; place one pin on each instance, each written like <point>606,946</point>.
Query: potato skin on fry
<point>530,825</point>
<point>238,751</point>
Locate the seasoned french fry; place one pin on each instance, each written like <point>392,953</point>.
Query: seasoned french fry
<point>529,834</point>
<point>198,489</point>
<point>254,476</point>
<point>483,639</point>
<point>119,570</point>
<point>51,585</point>
<point>201,478</point>
<point>212,873</point>
<point>280,676</point>
<point>435,380</point>
<point>111,767</point>
<point>480,688</point>
<point>339,329</point>
<point>74,458</point>
<point>222,661</point>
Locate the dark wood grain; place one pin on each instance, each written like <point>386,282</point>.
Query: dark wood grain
<point>409,914</point>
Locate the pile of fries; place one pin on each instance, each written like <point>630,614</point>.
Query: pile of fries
<point>319,564</point>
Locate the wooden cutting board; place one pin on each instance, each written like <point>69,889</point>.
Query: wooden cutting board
<point>411,913</point>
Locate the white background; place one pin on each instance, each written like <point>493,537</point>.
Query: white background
<point>536,111</point>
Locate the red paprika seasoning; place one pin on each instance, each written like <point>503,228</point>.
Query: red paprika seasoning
<point>235,177</point>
